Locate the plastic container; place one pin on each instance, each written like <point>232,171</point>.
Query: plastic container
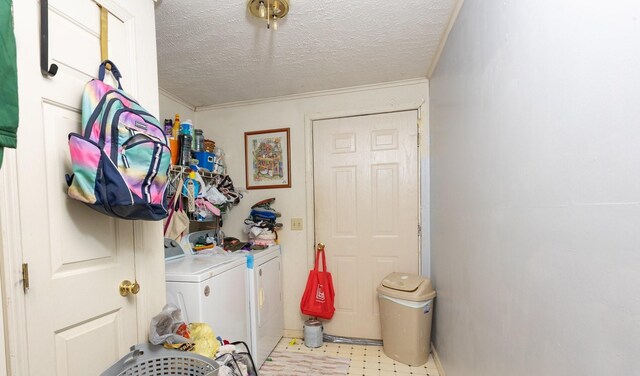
<point>204,160</point>
<point>176,127</point>
<point>185,149</point>
<point>185,127</point>
<point>175,150</point>
<point>198,144</point>
<point>168,127</point>
<point>406,312</point>
<point>155,360</point>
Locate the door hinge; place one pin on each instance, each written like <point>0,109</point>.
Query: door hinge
<point>419,230</point>
<point>25,277</point>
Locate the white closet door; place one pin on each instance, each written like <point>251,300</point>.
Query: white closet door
<point>366,210</point>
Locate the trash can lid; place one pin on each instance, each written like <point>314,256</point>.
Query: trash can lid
<point>407,286</point>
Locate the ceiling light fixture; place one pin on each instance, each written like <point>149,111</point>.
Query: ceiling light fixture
<point>270,10</point>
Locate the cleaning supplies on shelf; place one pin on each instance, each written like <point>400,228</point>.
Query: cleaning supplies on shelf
<point>185,149</point>
<point>176,126</point>
<point>186,127</point>
<point>168,127</point>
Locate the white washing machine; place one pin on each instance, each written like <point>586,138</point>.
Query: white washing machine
<point>209,289</point>
<point>265,294</point>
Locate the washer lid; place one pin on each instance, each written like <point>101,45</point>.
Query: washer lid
<point>200,268</point>
<point>263,255</point>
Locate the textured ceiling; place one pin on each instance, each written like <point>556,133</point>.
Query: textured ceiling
<point>212,52</point>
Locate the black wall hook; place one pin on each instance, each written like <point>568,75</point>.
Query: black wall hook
<point>44,41</point>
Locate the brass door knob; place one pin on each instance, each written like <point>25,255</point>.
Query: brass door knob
<point>127,287</point>
<point>320,247</point>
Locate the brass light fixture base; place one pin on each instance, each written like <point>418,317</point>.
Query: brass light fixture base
<point>278,8</point>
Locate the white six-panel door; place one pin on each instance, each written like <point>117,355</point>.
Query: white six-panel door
<point>76,321</point>
<point>366,210</point>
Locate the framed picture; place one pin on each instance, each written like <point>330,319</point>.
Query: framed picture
<point>267,159</point>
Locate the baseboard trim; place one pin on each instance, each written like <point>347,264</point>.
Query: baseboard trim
<point>293,333</point>
<point>436,360</point>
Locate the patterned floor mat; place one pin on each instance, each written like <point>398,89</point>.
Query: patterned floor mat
<point>293,364</point>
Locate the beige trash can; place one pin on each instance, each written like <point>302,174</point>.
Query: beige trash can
<point>406,310</point>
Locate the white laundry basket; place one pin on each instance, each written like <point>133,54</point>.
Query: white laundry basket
<point>155,360</point>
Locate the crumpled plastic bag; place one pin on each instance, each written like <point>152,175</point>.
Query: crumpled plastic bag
<point>204,339</point>
<point>168,327</point>
<point>232,365</point>
<point>225,371</point>
<point>213,195</point>
<point>213,251</point>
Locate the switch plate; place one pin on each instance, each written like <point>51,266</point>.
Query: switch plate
<point>296,224</point>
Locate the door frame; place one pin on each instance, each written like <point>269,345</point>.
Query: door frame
<point>13,304</point>
<point>423,167</point>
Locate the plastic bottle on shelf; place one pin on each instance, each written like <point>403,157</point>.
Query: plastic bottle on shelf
<point>176,126</point>
<point>219,237</point>
<point>191,206</point>
<point>198,144</point>
<point>187,128</point>
<point>185,149</point>
<point>168,127</point>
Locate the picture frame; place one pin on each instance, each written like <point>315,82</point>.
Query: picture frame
<point>267,159</point>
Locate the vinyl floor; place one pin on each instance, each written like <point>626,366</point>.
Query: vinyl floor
<point>365,360</point>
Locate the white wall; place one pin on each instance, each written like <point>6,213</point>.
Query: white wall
<point>171,105</point>
<point>536,189</point>
<point>226,126</point>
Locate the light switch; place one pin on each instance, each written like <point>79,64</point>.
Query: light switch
<point>296,224</point>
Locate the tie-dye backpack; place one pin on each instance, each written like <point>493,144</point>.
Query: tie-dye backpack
<point>121,160</point>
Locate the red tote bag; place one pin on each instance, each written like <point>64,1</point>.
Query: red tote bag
<point>318,297</point>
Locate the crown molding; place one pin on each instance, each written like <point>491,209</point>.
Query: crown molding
<point>176,99</point>
<point>312,94</point>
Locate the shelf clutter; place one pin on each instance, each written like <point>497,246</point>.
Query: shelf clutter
<point>189,147</point>
<point>216,189</point>
<point>198,176</point>
<point>261,225</point>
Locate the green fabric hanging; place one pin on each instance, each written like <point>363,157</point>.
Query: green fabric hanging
<point>8,80</point>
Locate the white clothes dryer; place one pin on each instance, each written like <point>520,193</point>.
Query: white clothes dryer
<point>265,294</point>
<point>210,289</point>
